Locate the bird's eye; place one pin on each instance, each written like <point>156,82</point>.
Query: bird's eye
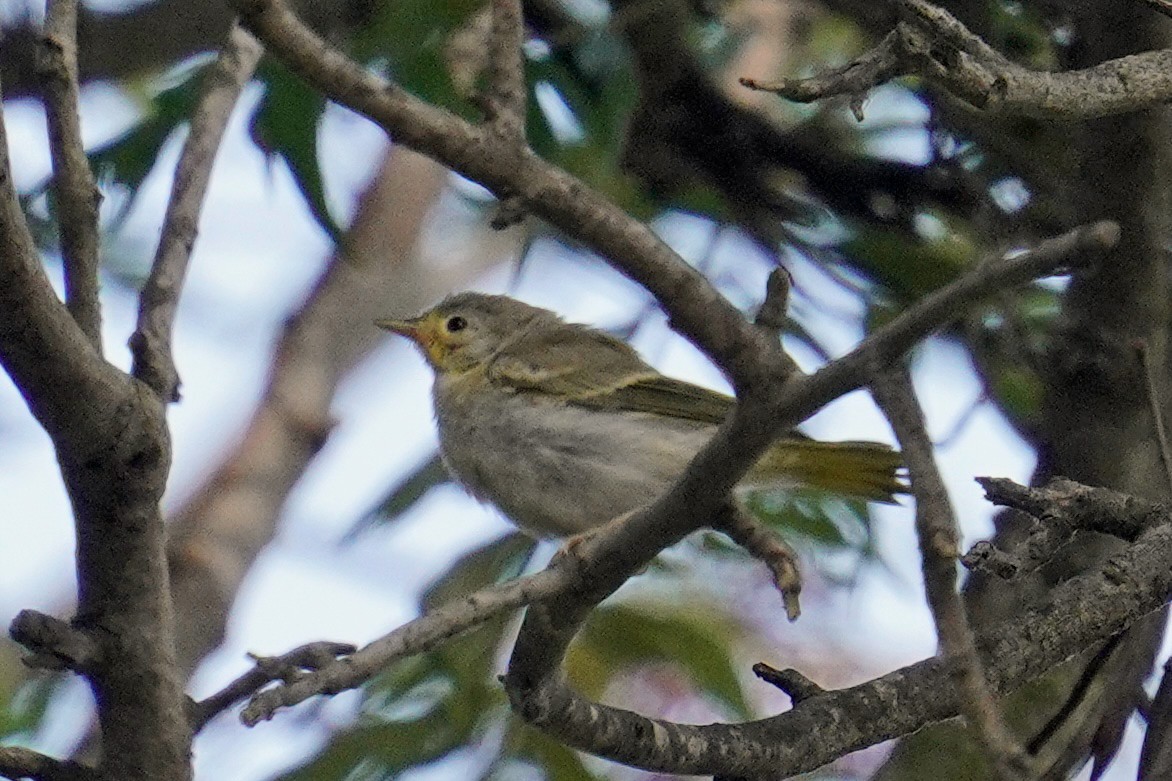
<point>455,324</point>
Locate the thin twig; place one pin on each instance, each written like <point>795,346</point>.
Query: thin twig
<point>1147,364</point>
<point>771,318</point>
<point>797,686</point>
<point>767,546</point>
<point>422,634</point>
<point>75,192</point>
<point>877,66</point>
<point>286,667</point>
<point>159,300</point>
<point>939,541</point>
<point>505,91</point>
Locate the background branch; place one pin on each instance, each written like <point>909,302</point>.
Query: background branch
<point>75,193</point>
<point>221,530</point>
<point>159,299</point>
<point>506,90</point>
<point>939,543</point>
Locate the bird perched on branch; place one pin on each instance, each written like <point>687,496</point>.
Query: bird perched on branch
<point>564,427</point>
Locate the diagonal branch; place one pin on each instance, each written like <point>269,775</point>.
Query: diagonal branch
<point>939,543</point>
<point>75,193</point>
<point>151,341</point>
<point>422,634</point>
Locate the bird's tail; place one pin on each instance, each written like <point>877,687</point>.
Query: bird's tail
<point>868,470</point>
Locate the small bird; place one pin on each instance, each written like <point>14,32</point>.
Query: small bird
<point>564,427</point>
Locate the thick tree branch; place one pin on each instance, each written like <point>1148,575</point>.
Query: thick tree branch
<point>113,448</point>
<point>939,542</point>
<point>21,763</point>
<point>934,44</point>
<point>159,300</point>
<point>74,190</point>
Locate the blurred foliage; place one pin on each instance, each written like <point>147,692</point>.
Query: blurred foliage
<point>24,703</point>
<point>285,126</point>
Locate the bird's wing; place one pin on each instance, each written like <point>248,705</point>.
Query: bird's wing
<point>568,362</point>
<point>665,396</point>
<point>589,368</point>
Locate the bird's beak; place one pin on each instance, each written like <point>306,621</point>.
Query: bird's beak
<point>408,328</point>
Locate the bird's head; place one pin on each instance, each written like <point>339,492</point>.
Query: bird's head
<point>465,330</point>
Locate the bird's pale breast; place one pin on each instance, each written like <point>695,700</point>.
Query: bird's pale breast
<point>556,469</point>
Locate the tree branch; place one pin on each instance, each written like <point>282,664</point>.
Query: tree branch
<point>1077,506</point>
<point>767,546</point>
<point>505,92</point>
<point>21,763</point>
<point>159,300</point>
<point>113,448</point>
<point>939,542</point>
<point>287,667</point>
<point>934,44</point>
<point>422,634</point>
<point>55,644</point>
<point>74,190</point>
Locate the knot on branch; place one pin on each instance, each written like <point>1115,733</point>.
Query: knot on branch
<point>54,644</point>
<point>792,682</point>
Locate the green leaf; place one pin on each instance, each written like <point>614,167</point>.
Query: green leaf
<point>496,562</point>
<point>285,126</point>
<point>618,636</point>
<point>824,518</point>
<point>408,39</point>
<point>24,707</point>
<point>426,706</point>
<point>525,745</point>
<point>130,158</point>
<point>403,495</point>
<point>908,265</point>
